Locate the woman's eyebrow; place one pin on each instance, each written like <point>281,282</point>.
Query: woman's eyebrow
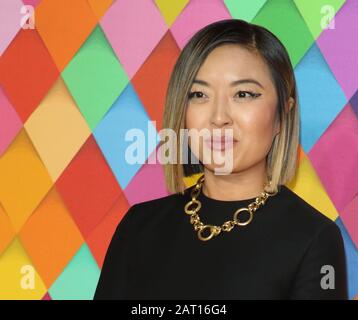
<point>232,84</point>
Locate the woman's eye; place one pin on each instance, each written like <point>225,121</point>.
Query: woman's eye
<point>194,94</point>
<point>248,94</point>
<point>241,94</point>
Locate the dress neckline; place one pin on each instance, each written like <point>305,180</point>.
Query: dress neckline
<point>223,202</point>
<point>212,201</point>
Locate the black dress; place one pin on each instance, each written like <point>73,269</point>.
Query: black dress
<point>156,254</point>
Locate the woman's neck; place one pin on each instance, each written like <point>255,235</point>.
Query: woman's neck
<point>235,186</point>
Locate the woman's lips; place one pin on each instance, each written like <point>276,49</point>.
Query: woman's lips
<point>220,144</point>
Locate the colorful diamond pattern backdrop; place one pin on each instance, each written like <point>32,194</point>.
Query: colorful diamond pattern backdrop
<point>90,70</point>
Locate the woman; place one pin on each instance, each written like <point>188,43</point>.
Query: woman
<point>242,235</point>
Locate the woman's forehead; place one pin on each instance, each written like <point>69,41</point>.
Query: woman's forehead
<point>232,63</point>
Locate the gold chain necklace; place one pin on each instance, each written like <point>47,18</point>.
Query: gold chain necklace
<point>227,225</point>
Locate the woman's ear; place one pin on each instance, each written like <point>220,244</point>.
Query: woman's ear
<point>290,104</point>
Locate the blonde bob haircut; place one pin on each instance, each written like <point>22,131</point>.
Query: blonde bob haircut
<point>281,160</point>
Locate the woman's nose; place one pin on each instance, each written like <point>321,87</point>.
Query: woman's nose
<point>221,114</point>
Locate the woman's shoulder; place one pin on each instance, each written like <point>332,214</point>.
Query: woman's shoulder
<point>149,211</point>
<point>160,202</point>
<point>298,214</point>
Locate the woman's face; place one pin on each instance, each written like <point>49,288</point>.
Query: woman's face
<point>233,90</point>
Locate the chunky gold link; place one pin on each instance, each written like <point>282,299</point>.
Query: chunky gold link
<point>227,226</point>
<point>195,192</point>
<point>236,216</point>
<point>214,231</point>
<point>191,202</point>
